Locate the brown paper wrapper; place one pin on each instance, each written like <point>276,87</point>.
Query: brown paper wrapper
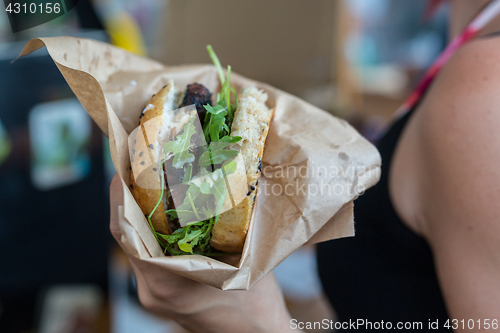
<point>309,154</point>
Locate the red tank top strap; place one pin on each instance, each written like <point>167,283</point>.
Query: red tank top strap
<point>485,16</point>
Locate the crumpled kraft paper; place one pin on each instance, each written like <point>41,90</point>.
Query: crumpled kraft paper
<point>314,164</point>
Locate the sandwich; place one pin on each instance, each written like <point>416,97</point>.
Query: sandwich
<point>196,159</point>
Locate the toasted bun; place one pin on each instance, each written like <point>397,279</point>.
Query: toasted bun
<point>251,122</point>
<point>148,194</point>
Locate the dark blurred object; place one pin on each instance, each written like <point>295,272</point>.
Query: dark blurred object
<point>73,309</point>
<point>51,235</point>
<point>198,95</point>
<point>24,15</point>
<point>87,15</point>
<point>73,16</point>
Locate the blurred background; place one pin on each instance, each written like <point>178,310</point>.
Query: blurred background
<point>60,270</point>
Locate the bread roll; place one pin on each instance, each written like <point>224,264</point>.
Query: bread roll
<point>149,191</point>
<point>251,122</point>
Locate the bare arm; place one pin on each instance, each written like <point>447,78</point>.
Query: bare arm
<point>201,308</point>
<point>457,178</point>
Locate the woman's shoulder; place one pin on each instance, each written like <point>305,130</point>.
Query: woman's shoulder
<point>462,108</point>
<point>472,73</point>
<point>458,140</point>
<point>452,143</point>
<point>457,178</point>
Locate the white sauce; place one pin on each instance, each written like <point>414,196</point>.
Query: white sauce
<point>147,108</point>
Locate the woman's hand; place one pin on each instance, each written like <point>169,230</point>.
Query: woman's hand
<point>199,307</point>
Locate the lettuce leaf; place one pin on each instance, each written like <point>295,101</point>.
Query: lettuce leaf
<point>193,238</point>
<point>180,146</point>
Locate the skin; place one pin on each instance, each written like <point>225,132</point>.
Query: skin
<point>201,308</point>
<point>445,175</point>
<point>444,184</point>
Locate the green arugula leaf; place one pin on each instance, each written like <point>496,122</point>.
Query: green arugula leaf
<point>216,62</point>
<point>230,139</point>
<point>174,212</point>
<point>207,191</point>
<point>216,153</point>
<point>227,90</point>
<point>190,240</point>
<point>180,146</point>
<point>218,156</point>
<point>216,110</point>
<point>219,192</point>
<point>230,168</point>
<point>235,101</point>
<point>193,238</point>
<point>187,210</point>
<point>216,126</point>
<point>214,122</point>
<point>185,247</point>
<point>205,188</point>
<point>219,145</point>
<point>188,173</point>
